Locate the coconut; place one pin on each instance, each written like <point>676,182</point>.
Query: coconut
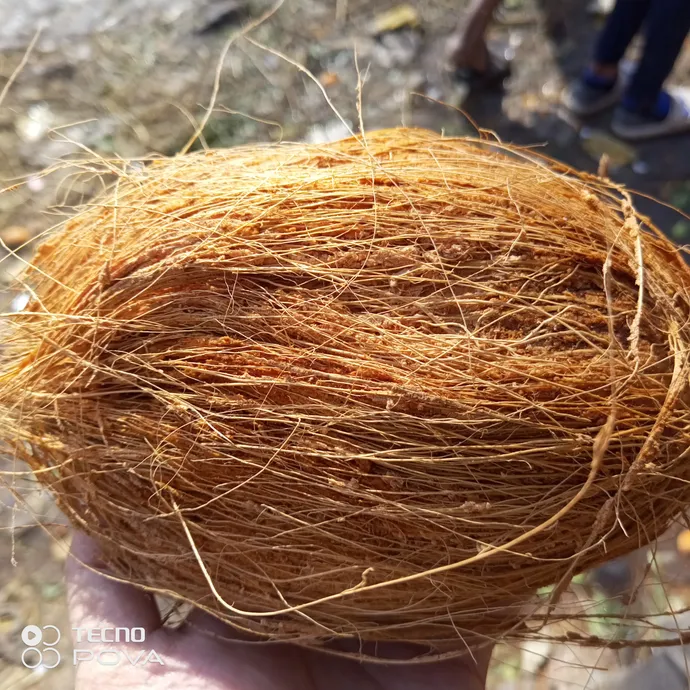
<point>381,389</point>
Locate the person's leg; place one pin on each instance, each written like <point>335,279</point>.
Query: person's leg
<point>647,109</point>
<point>621,26</point>
<point>599,86</point>
<point>471,51</point>
<point>666,26</point>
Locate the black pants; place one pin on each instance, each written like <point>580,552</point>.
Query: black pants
<point>666,24</point>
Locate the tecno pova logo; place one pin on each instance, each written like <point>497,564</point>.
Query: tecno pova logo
<point>40,646</point>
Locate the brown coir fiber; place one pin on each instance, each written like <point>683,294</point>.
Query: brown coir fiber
<point>384,388</point>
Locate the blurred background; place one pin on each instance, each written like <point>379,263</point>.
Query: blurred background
<point>128,78</point>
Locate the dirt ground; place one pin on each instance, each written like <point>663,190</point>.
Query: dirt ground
<point>133,77</point>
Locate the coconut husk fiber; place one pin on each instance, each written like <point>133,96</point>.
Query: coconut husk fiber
<point>381,389</point>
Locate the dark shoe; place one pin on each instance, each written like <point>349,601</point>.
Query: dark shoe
<point>628,124</point>
<point>583,99</point>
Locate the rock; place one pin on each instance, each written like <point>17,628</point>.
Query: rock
<point>36,123</point>
<point>15,236</point>
<point>329,131</point>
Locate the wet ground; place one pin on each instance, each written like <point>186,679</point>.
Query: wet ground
<point>133,77</point>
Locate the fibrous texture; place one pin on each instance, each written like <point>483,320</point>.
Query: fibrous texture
<point>384,388</point>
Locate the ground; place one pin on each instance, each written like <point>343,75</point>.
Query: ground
<point>133,77</point>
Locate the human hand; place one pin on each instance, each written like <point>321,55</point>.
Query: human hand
<point>194,659</point>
